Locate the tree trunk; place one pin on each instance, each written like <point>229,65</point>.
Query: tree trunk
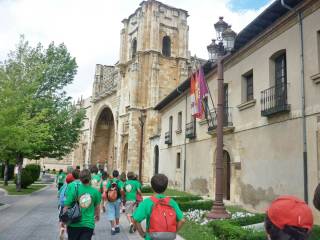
<point>19,161</point>
<point>6,172</point>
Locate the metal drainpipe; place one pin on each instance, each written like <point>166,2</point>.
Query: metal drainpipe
<point>185,146</point>
<point>185,149</point>
<point>303,102</point>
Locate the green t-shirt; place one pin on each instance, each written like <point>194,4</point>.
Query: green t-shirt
<point>96,181</point>
<point>144,211</point>
<point>131,188</point>
<point>61,177</point>
<point>89,198</point>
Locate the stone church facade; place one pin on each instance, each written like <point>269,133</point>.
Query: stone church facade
<point>154,60</point>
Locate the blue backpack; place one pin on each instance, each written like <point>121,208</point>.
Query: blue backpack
<point>62,195</point>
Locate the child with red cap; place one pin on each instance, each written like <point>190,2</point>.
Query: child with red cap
<point>288,218</point>
<point>62,196</point>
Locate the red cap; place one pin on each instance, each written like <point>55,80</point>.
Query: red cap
<point>290,211</point>
<point>69,178</point>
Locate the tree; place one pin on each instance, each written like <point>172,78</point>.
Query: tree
<point>37,118</point>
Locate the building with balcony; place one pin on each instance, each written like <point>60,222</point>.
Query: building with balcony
<point>263,116</point>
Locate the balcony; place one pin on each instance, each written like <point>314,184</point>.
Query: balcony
<point>274,100</point>
<point>168,138</point>
<point>191,130</point>
<point>227,119</point>
<point>227,122</point>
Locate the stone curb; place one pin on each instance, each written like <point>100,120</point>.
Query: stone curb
<point>23,195</point>
<point>5,191</point>
<point>3,207</point>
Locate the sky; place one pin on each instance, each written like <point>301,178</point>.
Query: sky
<point>91,28</point>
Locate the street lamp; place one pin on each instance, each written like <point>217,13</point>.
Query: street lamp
<point>142,120</point>
<point>217,52</point>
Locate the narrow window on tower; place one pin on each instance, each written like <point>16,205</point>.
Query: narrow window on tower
<point>134,47</point>
<point>166,46</point>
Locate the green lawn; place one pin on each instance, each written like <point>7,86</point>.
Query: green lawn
<point>191,231</point>
<point>171,192</point>
<point>11,189</point>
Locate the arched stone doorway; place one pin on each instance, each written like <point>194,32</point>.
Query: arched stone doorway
<point>103,140</point>
<point>156,159</point>
<point>125,158</point>
<point>226,175</point>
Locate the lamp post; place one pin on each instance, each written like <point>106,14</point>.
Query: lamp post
<point>142,120</point>
<point>217,52</point>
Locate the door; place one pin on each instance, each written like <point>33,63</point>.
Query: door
<point>226,175</point>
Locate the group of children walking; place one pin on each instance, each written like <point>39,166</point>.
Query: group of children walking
<point>287,218</point>
<point>96,192</point>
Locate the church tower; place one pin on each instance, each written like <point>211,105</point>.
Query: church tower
<point>153,61</point>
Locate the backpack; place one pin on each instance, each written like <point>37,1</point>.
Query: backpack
<point>113,193</point>
<point>163,220</point>
<point>62,195</point>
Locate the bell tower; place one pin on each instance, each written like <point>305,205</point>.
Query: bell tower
<point>153,61</point>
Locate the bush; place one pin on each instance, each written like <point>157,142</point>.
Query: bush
<point>34,170</point>
<point>224,230</point>
<point>202,205</point>
<point>181,199</point>
<point>146,189</point>
<point>26,179</point>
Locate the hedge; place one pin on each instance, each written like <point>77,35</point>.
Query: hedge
<point>202,205</point>
<point>34,170</point>
<point>181,199</point>
<point>224,230</point>
<point>26,178</point>
<point>146,189</point>
<point>245,221</point>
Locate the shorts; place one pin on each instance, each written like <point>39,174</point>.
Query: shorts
<point>130,207</point>
<point>79,233</point>
<point>113,210</point>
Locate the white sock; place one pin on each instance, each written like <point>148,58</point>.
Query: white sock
<point>113,229</point>
<point>117,225</point>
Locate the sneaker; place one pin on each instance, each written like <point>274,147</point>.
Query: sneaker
<point>117,229</point>
<point>131,230</point>
<point>113,232</point>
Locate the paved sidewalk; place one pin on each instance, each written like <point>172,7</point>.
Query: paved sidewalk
<point>35,217</point>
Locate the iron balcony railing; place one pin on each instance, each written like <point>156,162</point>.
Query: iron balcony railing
<point>274,100</point>
<point>227,119</point>
<point>191,130</point>
<point>168,138</point>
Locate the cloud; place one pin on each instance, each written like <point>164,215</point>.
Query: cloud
<point>91,28</point>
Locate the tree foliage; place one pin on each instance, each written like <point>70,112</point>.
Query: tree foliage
<point>37,118</point>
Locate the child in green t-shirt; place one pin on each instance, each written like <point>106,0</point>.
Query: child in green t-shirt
<point>89,202</point>
<point>131,188</point>
<point>159,183</point>
<point>60,179</point>
<point>103,190</point>
<point>95,177</point>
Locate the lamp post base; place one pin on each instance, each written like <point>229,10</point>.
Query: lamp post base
<point>218,212</point>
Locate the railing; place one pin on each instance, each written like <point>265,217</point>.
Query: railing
<point>191,130</point>
<point>227,119</point>
<point>168,138</point>
<point>274,100</point>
